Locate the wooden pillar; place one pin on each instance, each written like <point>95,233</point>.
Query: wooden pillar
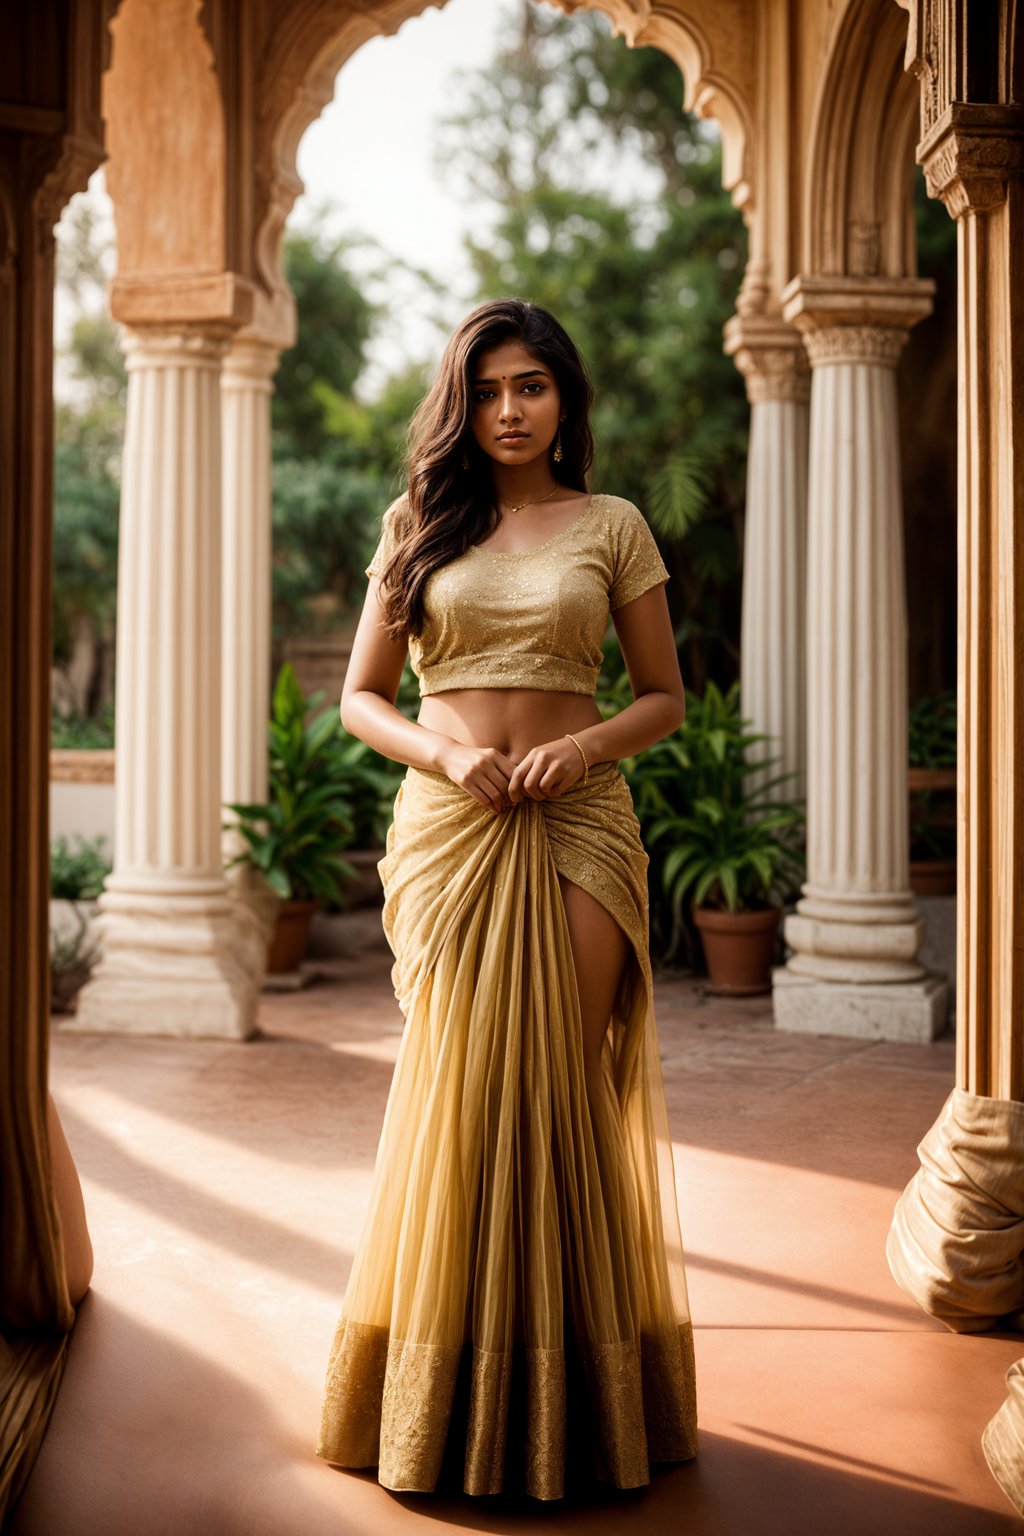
<point>51,144</point>
<point>954,1245</point>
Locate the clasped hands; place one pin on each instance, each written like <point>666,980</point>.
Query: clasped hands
<point>499,781</point>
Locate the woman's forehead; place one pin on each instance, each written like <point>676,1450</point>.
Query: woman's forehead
<point>506,358</point>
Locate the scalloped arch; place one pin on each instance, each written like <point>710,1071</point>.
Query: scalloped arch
<point>308,49</point>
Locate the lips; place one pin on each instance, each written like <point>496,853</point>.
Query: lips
<point>513,437</point>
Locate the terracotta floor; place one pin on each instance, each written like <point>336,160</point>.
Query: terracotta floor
<point>224,1185</point>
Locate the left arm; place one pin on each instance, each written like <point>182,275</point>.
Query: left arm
<point>644,629</point>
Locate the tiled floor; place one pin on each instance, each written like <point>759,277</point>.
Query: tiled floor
<point>224,1185</point>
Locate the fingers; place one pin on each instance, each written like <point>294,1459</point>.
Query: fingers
<point>491,787</point>
<point>539,776</point>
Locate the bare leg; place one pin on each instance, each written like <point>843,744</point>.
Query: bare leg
<point>599,951</point>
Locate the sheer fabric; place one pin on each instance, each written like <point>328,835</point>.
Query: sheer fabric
<point>519,1289</point>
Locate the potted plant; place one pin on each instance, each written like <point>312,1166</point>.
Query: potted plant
<point>296,839</point>
<point>735,853</point>
<point>931,780</point>
<point>373,785</point>
<point>76,880</point>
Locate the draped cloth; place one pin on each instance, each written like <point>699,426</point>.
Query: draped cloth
<point>36,1314</point>
<point>1003,1439</point>
<point>517,1308</point>
<point>956,1242</point>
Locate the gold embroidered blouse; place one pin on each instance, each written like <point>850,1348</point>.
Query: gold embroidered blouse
<point>532,618</point>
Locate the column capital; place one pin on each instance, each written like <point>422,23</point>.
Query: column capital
<point>174,346</point>
<point>856,319</point>
<point>251,363</point>
<point>970,152</point>
<point>770,354</point>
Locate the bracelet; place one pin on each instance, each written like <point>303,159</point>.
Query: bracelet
<point>586,765</point>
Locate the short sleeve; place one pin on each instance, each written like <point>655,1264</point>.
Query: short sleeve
<point>386,544</point>
<point>638,562</point>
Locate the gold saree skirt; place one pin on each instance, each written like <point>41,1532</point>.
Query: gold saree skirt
<point>517,1310</point>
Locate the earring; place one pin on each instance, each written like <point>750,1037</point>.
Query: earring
<point>557,455</point>
<point>465,459</point>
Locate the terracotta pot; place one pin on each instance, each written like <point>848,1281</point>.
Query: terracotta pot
<point>291,932</point>
<point>933,877</point>
<point>364,889</point>
<point>738,947</point>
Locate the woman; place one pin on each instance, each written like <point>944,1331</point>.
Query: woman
<point>517,1308</point>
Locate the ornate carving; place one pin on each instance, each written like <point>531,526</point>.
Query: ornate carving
<point>924,56</point>
<point>869,312</point>
<point>880,344</point>
<point>774,373</point>
<point>863,243</point>
<point>770,355</point>
<point>970,153</point>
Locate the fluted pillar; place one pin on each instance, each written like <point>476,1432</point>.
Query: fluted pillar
<point>176,959</point>
<point>771,356</point>
<point>246,387</point>
<point>856,930</point>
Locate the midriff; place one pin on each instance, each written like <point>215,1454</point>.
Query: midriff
<point>512,720</point>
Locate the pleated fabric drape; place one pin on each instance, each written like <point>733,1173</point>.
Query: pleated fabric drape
<point>517,1306</point>
<point>956,1243</point>
<point>36,1314</point>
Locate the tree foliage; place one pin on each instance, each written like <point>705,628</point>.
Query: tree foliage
<point>316,377</point>
<point>643,280</point>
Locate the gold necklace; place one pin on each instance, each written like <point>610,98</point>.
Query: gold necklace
<point>522,504</point>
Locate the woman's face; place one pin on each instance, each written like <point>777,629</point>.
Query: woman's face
<point>516,405</point>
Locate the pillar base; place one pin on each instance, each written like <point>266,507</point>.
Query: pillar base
<point>956,1243</point>
<point>174,966</point>
<point>862,945</point>
<point>915,1011</point>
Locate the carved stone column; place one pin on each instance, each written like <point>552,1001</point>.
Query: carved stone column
<point>957,1239</point>
<point>176,960</point>
<point>246,387</point>
<point>771,356</point>
<point>856,929</point>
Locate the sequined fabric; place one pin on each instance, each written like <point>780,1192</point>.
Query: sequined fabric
<point>534,618</point>
<point>519,1290</point>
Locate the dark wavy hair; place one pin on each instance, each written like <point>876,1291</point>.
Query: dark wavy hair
<point>445,507</point>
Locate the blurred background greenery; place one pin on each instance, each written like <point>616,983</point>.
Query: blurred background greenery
<point>643,282</point>
<point>644,286</point>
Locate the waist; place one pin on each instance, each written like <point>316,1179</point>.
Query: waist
<point>512,720</point>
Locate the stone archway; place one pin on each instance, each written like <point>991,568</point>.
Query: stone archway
<point>312,44</point>
<point>207,311</point>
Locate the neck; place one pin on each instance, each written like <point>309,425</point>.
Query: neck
<point>513,484</point>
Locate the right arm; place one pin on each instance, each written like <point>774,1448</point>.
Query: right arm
<point>368,710</point>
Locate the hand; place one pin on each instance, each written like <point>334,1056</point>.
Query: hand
<point>483,771</point>
<point>546,770</point>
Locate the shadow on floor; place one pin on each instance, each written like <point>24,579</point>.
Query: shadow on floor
<point>153,1436</point>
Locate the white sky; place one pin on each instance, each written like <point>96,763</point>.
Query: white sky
<point>387,99</point>
<point>368,167</point>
